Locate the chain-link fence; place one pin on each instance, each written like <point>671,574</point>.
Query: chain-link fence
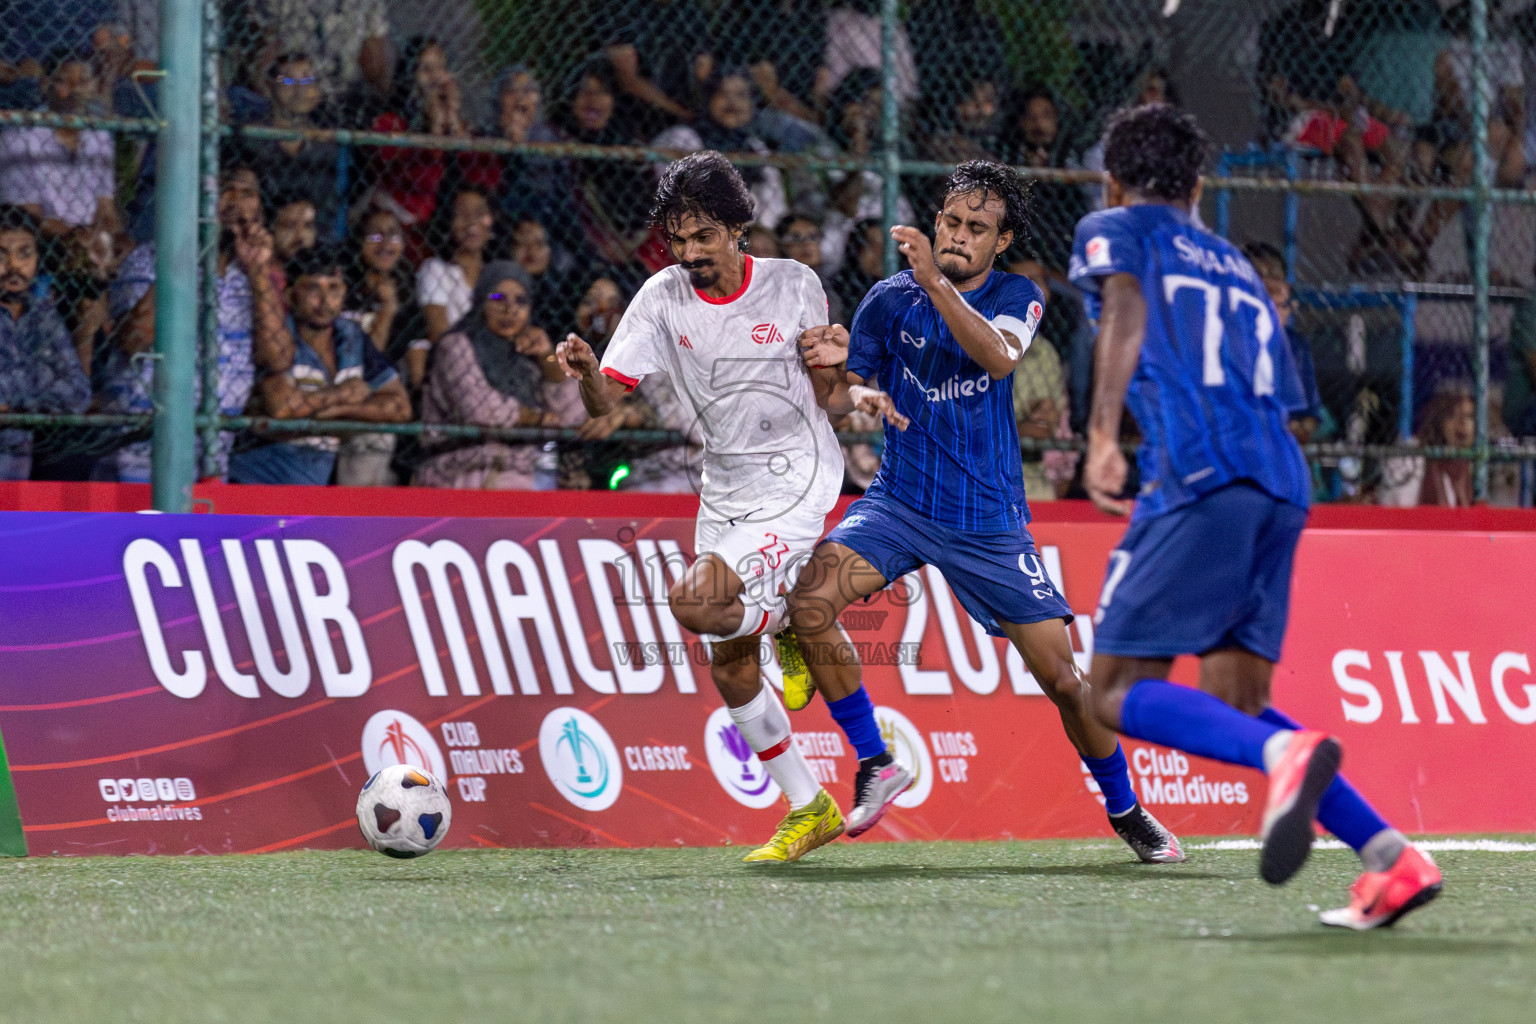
<point>405,204</point>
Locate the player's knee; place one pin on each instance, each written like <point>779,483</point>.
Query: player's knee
<point>1062,682</point>
<point>1106,692</point>
<point>693,612</point>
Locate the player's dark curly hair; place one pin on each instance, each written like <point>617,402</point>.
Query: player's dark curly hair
<point>988,179</point>
<point>1156,150</point>
<point>706,185</point>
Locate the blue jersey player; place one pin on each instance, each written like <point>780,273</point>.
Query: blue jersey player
<point>943,339</point>
<point>1190,343</point>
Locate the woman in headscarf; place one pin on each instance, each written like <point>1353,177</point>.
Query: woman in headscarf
<point>494,368</point>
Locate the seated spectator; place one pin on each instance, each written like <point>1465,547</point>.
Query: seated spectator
<point>381,297</point>
<point>128,384</point>
<point>964,124</point>
<point>599,311</point>
<point>462,232</point>
<point>853,44</point>
<point>1034,136</point>
<point>853,121</point>
<point>660,51</point>
<point>62,176</point>
<point>39,370</point>
<point>348,41</point>
<point>529,186</point>
<point>1449,421</point>
<point>407,181</point>
<point>800,240</point>
<point>613,197</point>
<point>864,264</point>
<point>552,269</point>
<point>299,167</point>
<point>495,368</point>
<point>1309,413</point>
<point>1520,383</point>
<point>1042,407</point>
<point>293,226</point>
<point>781,43</point>
<point>334,373</point>
<point>761,242</point>
<point>725,127</point>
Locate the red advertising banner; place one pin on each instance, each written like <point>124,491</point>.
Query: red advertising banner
<point>181,684</point>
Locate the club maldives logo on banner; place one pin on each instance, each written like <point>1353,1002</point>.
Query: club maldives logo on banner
<point>227,683</point>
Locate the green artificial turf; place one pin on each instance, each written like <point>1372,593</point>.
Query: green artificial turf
<point>1060,931</point>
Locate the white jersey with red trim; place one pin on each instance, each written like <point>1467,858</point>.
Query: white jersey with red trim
<point>769,450</point>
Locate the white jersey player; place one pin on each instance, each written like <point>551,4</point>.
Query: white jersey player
<point>725,328</point>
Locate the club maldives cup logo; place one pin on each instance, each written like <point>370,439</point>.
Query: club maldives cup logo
<point>580,759</point>
<point>394,737</point>
<point>907,745</point>
<point>736,767</point>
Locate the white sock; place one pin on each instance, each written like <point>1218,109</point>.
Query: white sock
<point>764,724</point>
<point>758,618</point>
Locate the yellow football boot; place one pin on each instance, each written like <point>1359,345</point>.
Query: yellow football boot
<point>798,687</point>
<point>816,824</point>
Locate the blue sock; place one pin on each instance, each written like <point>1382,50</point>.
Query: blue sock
<point>856,714</point>
<point>1114,778</point>
<point>1195,722</point>
<point>1343,811</point>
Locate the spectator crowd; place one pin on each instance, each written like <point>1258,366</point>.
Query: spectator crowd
<point>406,283</point>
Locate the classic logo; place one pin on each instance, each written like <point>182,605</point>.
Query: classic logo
<point>394,737</point>
<point>906,743</point>
<point>766,334</point>
<point>1098,251</point>
<point>580,759</point>
<point>736,767</point>
<point>1032,318</point>
<point>914,342</point>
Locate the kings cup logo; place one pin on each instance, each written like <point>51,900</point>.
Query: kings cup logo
<point>907,746</point>
<point>394,737</point>
<point>580,759</point>
<point>736,767</point>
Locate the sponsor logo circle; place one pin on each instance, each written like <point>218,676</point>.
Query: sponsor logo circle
<point>906,743</point>
<point>394,737</point>
<point>580,759</point>
<point>736,767</point>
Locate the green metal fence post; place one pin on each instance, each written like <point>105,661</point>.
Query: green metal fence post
<point>181,45</point>
<point>1482,215</point>
<point>890,129</point>
<point>208,220</point>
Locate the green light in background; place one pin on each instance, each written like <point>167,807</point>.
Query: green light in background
<point>617,477</point>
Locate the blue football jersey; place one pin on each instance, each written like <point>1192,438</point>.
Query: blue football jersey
<point>958,462</point>
<point>1216,380</point>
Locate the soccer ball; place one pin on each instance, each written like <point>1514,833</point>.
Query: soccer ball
<point>403,811</point>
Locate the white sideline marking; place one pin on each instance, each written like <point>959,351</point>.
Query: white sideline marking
<point>1428,845</point>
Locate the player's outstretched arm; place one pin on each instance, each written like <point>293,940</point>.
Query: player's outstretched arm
<point>995,351</point>
<point>1122,326</point>
<point>875,402</point>
<point>600,394</point>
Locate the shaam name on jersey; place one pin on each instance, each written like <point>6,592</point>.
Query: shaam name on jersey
<point>1211,262</point>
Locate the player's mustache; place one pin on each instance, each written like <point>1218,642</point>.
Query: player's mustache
<point>954,252</point>
<point>696,264</point>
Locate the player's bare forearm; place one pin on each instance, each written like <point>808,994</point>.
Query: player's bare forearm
<point>1122,326</point>
<point>995,351</point>
<point>838,400</point>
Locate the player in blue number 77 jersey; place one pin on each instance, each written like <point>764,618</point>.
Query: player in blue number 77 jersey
<point>1190,342</point>
<point>943,339</point>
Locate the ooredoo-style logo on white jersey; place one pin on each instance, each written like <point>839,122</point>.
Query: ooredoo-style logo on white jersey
<point>394,737</point>
<point>736,767</point>
<point>580,759</point>
<point>907,746</point>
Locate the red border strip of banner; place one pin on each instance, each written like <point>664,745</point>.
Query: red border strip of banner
<point>249,499</point>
